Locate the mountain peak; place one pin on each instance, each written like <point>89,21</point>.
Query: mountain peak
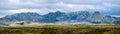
<point>96,18</point>
<point>59,16</point>
<point>29,16</point>
<point>96,12</point>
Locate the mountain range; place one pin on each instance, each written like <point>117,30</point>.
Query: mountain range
<point>61,17</point>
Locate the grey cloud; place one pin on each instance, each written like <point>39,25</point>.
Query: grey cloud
<point>63,5</point>
<point>38,4</point>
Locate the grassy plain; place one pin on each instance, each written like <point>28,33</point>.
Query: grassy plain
<point>60,29</point>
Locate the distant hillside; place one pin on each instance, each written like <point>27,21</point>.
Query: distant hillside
<point>61,17</point>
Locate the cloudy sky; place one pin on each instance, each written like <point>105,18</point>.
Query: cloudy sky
<point>109,7</point>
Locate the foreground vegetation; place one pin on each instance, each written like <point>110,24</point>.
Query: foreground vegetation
<point>90,29</point>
